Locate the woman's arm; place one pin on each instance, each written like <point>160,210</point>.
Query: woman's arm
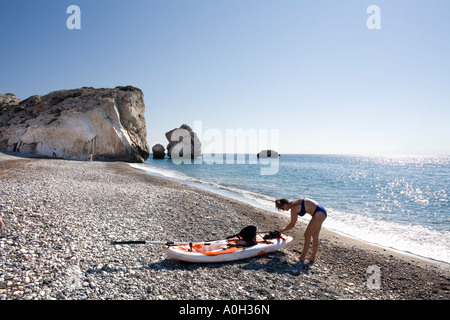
<point>294,217</point>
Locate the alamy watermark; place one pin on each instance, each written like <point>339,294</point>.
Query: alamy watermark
<point>74,20</point>
<point>235,146</point>
<point>374,20</point>
<point>374,278</point>
<point>74,281</point>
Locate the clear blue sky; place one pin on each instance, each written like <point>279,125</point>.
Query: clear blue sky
<point>311,69</point>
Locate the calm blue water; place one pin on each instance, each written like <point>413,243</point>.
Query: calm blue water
<point>400,202</point>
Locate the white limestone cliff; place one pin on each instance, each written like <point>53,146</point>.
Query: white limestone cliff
<point>108,123</point>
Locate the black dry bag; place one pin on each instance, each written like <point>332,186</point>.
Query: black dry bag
<point>248,234</point>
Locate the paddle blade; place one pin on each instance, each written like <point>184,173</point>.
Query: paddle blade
<point>128,242</point>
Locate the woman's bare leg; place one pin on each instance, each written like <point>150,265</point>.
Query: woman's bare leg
<point>312,231</point>
<point>315,246</point>
<point>305,246</point>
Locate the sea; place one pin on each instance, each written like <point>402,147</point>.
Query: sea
<point>398,202</point>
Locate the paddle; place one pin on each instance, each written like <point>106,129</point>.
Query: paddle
<point>167,243</point>
<point>129,242</point>
<point>175,243</point>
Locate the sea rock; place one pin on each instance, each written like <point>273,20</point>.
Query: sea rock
<point>158,151</point>
<point>183,143</point>
<point>109,123</point>
<point>268,154</point>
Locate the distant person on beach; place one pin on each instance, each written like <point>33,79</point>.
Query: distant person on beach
<point>54,153</point>
<point>300,207</point>
<point>90,157</point>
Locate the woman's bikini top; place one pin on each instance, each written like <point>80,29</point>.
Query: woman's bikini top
<point>302,210</point>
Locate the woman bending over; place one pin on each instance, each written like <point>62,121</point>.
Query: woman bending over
<point>300,207</point>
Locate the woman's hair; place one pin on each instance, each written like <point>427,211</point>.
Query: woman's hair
<point>279,203</point>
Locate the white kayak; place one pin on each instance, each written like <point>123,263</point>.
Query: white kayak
<point>225,250</point>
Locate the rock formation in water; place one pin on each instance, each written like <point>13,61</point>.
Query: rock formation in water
<point>158,151</point>
<point>183,143</point>
<point>268,154</point>
<point>108,123</point>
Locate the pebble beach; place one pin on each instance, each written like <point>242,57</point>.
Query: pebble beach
<point>60,217</point>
